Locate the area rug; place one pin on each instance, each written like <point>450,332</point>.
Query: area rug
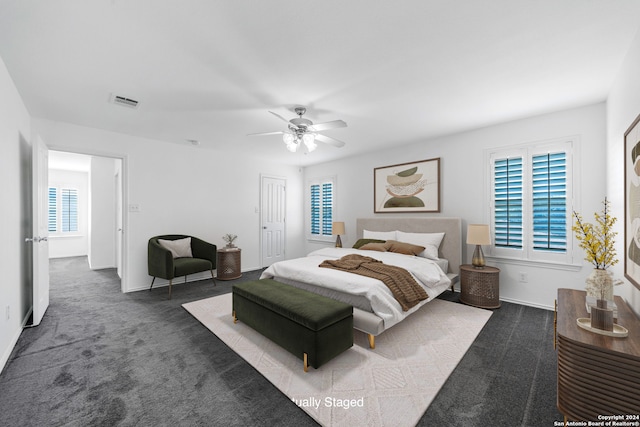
<point>391,385</point>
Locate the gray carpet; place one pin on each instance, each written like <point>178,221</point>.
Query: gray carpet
<point>101,357</point>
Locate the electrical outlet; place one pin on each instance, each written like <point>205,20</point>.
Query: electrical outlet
<point>134,207</point>
<point>523,277</point>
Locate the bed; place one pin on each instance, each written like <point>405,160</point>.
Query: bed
<point>375,309</point>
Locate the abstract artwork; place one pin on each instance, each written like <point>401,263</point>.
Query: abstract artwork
<point>407,187</point>
<point>632,203</point>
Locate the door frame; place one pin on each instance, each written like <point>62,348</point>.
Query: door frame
<point>284,242</point>
<point>124,283</point>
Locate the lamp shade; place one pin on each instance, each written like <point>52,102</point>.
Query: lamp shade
<point>478,234</point>
<point>337,228</point>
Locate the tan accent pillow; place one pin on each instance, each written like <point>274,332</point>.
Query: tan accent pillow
<point>380,247</point>
<point>403,248</point>
<point>180,248</point>
<point>362,242</point>
<point>428,240</point>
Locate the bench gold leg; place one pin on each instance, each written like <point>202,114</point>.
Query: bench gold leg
<point>372,341</point>
<point>306,364</point>
<point>235,319</point>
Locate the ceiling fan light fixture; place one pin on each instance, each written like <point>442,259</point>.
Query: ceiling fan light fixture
<point>288,138</point>
<point>303,131</point>
<point>309,140</point>
<point>293,146</point>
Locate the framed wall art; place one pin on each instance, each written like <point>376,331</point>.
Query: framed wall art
<point>407,187</point>
<point>632,203</point>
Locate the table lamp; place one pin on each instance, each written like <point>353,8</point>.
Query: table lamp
<point>337,228</point>
<point>478,234</point>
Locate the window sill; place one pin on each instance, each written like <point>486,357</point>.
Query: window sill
<point>535,263</point>
<point>321,240</point>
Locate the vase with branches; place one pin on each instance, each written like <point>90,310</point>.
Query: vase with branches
<point>229,238</point>
<point>598,241</point>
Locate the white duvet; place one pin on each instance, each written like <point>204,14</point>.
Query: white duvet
<point>426,272</point>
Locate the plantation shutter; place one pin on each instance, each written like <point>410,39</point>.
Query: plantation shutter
<point>69,209</point>
<point>508,202</point>
<point>327,208</point>
<point>52,210</point>
<point>549,192</point>
<point>315,209</point>
<point>321,209</point>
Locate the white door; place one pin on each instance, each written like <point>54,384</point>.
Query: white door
<point>273,219</point>
<point>119,225</point>
<point>40,230</point>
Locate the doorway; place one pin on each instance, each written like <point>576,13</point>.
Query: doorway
<point>97,234</point>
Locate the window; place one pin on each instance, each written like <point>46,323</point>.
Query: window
<point>530,199</point>
<point>321,208</point>
<point>53,210</point>
<point>549,198</point>
<point>63,210</point>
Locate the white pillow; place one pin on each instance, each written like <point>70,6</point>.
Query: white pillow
<point>431,242</point>
<point>180,248</point>
<point>380,235</point>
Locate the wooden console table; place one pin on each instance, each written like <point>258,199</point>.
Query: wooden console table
<point>597,374</point>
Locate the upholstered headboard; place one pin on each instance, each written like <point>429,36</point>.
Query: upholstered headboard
<point>451,246</point>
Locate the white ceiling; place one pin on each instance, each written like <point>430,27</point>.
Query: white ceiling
<point>397,72</point>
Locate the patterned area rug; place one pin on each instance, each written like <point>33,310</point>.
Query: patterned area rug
<point>391,385</point>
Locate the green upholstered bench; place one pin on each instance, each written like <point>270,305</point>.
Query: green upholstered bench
<point>310,326</point>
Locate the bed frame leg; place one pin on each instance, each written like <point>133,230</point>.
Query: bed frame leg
<point>372,341</point>
<point>235,319</point>
<point>306,362</point>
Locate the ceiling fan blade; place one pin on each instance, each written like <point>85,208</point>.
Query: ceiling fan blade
<point>265,133</point>
<point>283,119</point>
<point>329,140</point>
<point>318,127</point>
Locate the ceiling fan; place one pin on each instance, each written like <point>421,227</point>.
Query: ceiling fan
<point>301,130</point>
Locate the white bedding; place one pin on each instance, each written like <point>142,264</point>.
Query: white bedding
<point>305,270</point>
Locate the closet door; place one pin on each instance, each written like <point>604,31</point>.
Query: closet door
<point>273,209</point>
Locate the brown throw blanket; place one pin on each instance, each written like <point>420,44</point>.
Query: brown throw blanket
<point>403,286</point>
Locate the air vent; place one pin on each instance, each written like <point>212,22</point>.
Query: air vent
<point>124,101</point>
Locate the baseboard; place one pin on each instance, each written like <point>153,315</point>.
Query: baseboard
<point>527,303</point>
<point>99,267</point>
<point>12,344</point>
<point>519,302</point>
<point>159,283</point>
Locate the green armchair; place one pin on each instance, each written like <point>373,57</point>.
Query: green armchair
<point>180,260</point>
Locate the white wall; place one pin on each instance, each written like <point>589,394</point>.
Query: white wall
<point>102,216</point>
<point>184,189</point>
<point>463,185</point>
<point>15,134</point>
<point>74,244</point>
<point>623,106</point>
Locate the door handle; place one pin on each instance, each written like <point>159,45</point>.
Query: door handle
<point>36,239</point>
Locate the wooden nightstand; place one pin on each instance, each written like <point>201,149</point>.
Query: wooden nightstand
<point>228,267</point>
<point>480,287</point>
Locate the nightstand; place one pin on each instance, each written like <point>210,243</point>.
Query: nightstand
<point>480,287</point>
<point>228,267</point>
